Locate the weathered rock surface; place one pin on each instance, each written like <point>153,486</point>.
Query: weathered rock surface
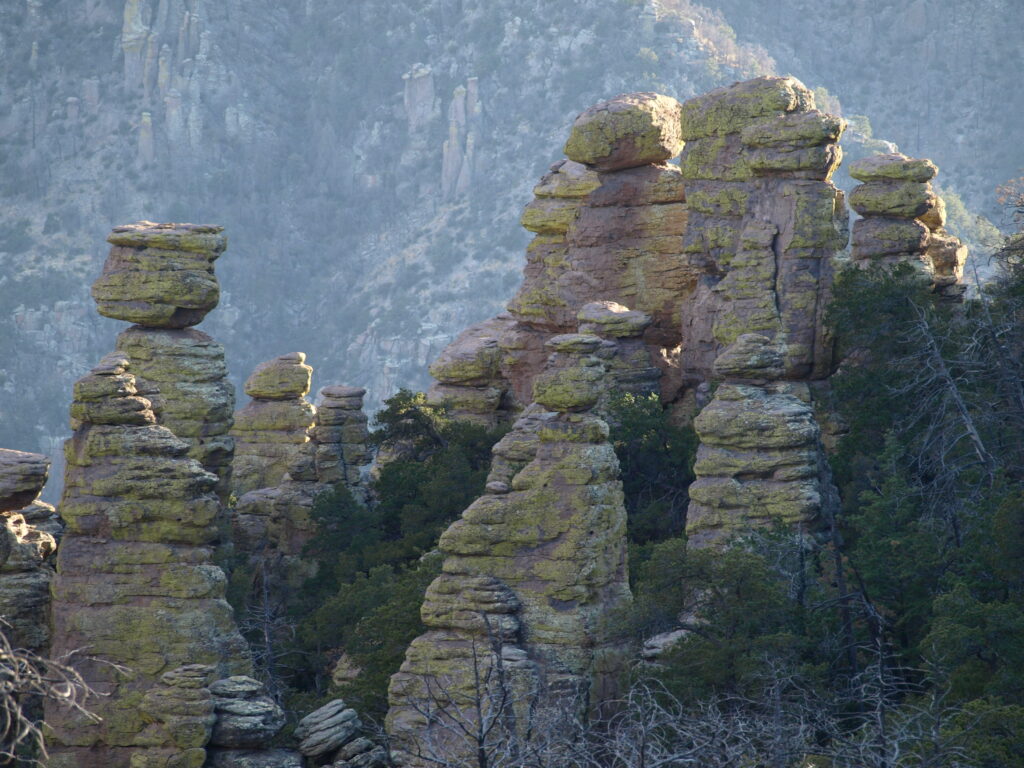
<point>246,717</point>
<point>760,461</point>
<point>270,429</point>
<point>765,223</point>
<point>26,544</point>
<point>271,526</point>
<point>22,477</point>
<point>533,570</point>
<point>136,584</point>
<point>326,730</point>
<point>160,275</point>
<point>626,132</point>
<point>184,375</point>
<point>903,220</point>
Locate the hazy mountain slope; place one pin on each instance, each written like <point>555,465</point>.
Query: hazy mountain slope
<point>316,134</point>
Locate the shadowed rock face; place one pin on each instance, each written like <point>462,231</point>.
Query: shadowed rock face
<point>534,571</point>
<point>272,525</point>
<point>273,425</point>
<point>136,589</point>
<point>27,541</point>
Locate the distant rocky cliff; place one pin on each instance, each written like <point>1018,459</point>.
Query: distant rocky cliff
<point>369,161</point>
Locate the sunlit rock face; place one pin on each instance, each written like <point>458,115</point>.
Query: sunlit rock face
<point>903,221</point>
<point>534,571</point>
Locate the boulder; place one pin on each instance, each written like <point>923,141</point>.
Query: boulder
<point>626,132</point>
<point>326,730</point>
<point>160,275</point>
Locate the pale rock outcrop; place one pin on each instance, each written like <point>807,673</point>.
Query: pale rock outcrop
<point>160,276</point>
<point>273,425</point>
<point>534,571</point>
<point>760,461</point>
<point>904,220</point>
<point>136,584</point>
<point>27,542</point>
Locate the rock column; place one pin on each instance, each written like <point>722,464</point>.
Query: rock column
<point>136,592</point>
<point>274,425</point>
<point>534,571</point>
<point>904,220</point>
<point>160,276</point>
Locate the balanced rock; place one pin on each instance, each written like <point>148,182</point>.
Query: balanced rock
<point>270,429</point>
<point>903,221</point>
<point>22,477</point>
<point>160,275</point>
<point>765,223</point>
<point>136,583</point>
<point>271,526</point>
<point>626,132</point>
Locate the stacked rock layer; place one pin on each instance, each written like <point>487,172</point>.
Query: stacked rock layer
<point>534,571</point>
<point>904,220</point>
<point>160,277</point>
<point>271,526</point>
<point>136,585</point>
<point>27,541</point>
<point>271,429</point>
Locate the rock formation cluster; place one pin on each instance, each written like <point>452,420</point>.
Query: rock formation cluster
<point>137,598</point>
<point>28,532</point>
<point>534,572</point>
<point>904,220</point>
<point>160,277</point>
<point>271,525</point>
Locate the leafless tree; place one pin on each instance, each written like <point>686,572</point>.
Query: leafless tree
<point>27,679</point>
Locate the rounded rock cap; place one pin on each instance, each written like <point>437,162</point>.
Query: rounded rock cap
<point>284,378</point>
<point>893,167</point>
<point>751,356</point>
<point>628,131</point>
<point>337,391</point>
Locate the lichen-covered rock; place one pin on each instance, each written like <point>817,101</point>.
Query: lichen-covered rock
<point>271,526</point>
<point>246,758</point>
<point>160,275</point>
<point>184,376</point>
<point>22,477</point>
<point>246,718</point>
<point>270,429</point>
<point>286,377</point>
<point>327,729</point>
<point>765,224</point>
<point>533,571</point>
<point>903,221</point>
<point>893,167</point>
<point>759,462</point>
<point>135,582</point>
<point>626,132</point>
